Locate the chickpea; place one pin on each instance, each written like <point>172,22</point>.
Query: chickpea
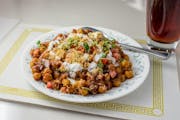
<point>100,77</point>
<point>47,70</point>
<point>107,77</point>
<point>45,55</point>
<point>126,57</point>
<point>89,76</point>
<point>69,90</point>
<point>37,76</point>
<point>81,83</point>
<point>65,82</point>
<point>108,84</point>
<point>95,71</point>
<point>62,69</point>
<point>111,67</point>
<point>125,63</point>
<point>36,69</point>
<point>91,57</point>
<point>81,49</point>
<point>56,84</point>
<point>88,82</point>
<point>80,31</point>
<point>123,78</point>
<point>117,56</point>
<point>55,64</point>
<point>93,88</point>
<point>115,50</point>
<point>74,31</point>
<point>47,77</point>
<point>63,89</point>
<point>118,69</point>
<point>45,44</point>
<point>116,83</point>
<point>31,52</point>
<point>63,76</point>
<point>130,64</point>
<point>58,37</point>
<point>91,51</point>
<point>83,92</point>
<point>36,53</point>
<point>102,89</point>
<point>33,62</point>
<point>99,36</point>
<point>75,84</point>
<point>56,74</point>
<point>42,48</point>
<point>128,74</point>
<point>86,31</point>
<point>86,64</point>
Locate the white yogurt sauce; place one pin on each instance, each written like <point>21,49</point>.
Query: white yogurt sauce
<point>72,68</point>
<point>85,56</point>
<point>52,43</point>
<point>92,66</point>
<point>97,57</point>
<point>60,45</point>
<point>71,80</point>
<point>71,35</point>
<point>90,42</point>
<point>45,62</point>
<point>57,58</point>
<point>51,53</point>
<point>72,74</point>
<point>100,48</point>
<point>95,34</point>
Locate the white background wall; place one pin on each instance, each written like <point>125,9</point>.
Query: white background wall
<point>126,16</point>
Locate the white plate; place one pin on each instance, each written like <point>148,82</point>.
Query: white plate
<point>141,66</point>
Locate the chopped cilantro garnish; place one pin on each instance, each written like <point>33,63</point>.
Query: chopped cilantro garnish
<point>113,42</point>
<point>113,45</point>
<point>100,64</point>
<point>106,45</point>
<point>38,43</point>
<point>105,49</point>
<point>72,41</point>
<point>100,70</point>
<point>65,47</point>
<point>95,43</point>
<point>86,46</point>
<point>104,55</point>
<point>121,59</point>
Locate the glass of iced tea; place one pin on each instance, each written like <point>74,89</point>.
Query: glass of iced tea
<point>163,23</point>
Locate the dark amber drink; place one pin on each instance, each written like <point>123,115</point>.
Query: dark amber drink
<point>163,20</point>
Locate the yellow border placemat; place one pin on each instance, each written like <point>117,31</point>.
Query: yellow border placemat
<point>157,108</point>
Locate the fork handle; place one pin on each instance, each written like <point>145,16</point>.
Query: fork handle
<point>162,55</point>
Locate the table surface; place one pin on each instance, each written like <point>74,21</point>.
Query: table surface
<point>20,111</point>
<point>127,16</point>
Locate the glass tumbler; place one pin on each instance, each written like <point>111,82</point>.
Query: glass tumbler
<point>163,24</point>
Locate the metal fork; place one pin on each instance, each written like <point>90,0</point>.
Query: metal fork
<point>160,54</point>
